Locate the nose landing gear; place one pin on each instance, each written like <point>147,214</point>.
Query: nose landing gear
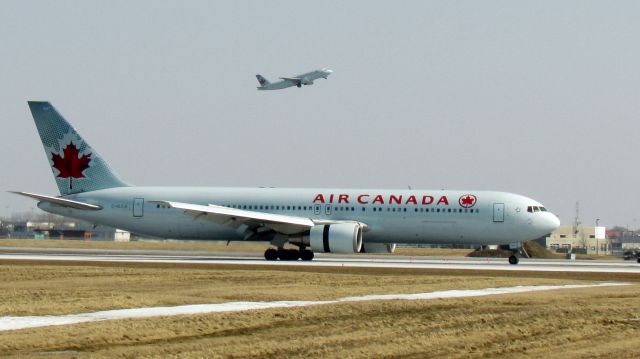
<point>513,259</point>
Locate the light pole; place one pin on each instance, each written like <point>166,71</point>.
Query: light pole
<point>596,235</point>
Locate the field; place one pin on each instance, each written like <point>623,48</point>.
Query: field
<point>200,246</point>
<point>593,322</point>
<point>137,245</point>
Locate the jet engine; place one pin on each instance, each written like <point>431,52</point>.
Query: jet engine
<point>336,238</point>
<point>378,247</point>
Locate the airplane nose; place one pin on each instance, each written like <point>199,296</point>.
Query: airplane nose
<point>552,222</point>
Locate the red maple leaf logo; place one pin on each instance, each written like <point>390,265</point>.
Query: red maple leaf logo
<point>71,165</point>
<point>467,200</point>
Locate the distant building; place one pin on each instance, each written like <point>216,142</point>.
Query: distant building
<point>581,239</point>
<point>60,230</point>
<point>624,239</point>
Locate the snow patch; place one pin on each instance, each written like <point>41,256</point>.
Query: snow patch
<point>14,323</point>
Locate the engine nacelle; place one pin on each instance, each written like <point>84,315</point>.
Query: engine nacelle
<point>306,81</point>
<point>336,238</point>
<point>378,247</point>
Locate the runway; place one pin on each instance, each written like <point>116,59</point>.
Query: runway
<point>321,260</point>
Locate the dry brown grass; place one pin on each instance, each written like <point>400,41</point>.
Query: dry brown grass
<point>38,289</point>
<point>138,245</point>
<point>202,246</point>
<point>594,323</point>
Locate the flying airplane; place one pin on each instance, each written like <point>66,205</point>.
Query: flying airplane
<point>304,79</point>
<point>314,219</point>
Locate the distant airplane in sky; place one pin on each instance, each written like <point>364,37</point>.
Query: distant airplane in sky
<point>326,220</point>
<point>304,79</point>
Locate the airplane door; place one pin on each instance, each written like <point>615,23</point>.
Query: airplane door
<point>327,209</point>
<point>498,212</point>
<point>316,209</point>
<point>138,207</point>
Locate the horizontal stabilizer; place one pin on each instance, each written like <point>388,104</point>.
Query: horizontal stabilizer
<point>60,201</point>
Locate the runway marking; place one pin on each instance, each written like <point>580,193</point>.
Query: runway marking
<point>494,264</point>
<point>15,323</point>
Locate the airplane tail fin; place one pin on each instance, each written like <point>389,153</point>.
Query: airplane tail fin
<point>262,80</point>
<point>76,166</point>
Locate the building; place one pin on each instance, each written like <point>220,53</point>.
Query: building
<point>60,230</point>
<point>580,239</point>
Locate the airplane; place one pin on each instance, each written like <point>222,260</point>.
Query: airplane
<point>304,79</point>
<point>319,220</point>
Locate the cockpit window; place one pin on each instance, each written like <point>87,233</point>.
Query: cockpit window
<point>532,209</point>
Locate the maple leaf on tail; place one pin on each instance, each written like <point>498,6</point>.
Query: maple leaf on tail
<point>71,165</point>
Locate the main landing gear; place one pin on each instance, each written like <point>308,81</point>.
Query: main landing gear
<point>513,259</point>
<point>273,254</point>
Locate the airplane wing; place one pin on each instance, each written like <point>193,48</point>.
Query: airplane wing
<point>295,80</point>
<point>237,217</point>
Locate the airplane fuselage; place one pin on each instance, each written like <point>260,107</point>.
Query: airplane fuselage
<point>391,216</point>
<point>299,80</point>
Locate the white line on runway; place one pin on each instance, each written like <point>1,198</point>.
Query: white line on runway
<point>14,323</point>
<point>361,261</point>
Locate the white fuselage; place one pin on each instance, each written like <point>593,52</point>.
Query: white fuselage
<point>390,216</point>
<point>299,80</point>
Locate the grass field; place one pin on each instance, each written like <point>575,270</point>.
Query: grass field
<point>597,322</point>
<point>201,246</point>
<point>138,245</point>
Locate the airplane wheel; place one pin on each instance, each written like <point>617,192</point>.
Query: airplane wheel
<point>513,260</point>
<point>271,254</point>
<point>638,259</point>
<point>288,255</point>
<point>299,85</point>
<point>306,255</point>
<point>294,254</point>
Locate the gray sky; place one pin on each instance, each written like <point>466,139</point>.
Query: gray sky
<point>539,98</point>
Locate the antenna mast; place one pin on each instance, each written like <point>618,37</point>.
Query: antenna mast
<point>576,221</point>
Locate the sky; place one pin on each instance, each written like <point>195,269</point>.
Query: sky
<point>540,98</point>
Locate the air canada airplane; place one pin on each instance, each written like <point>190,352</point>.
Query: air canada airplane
<point>304,79</point>
<point>314,219</point>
